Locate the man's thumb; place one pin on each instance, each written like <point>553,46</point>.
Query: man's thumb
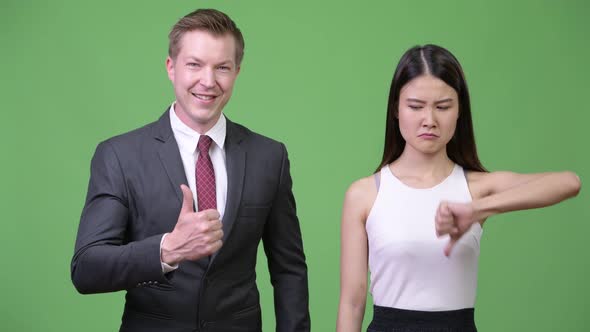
<point>187,200</point>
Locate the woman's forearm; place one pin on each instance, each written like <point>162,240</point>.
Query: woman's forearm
<point>545,191</point>
<point>350,317</point>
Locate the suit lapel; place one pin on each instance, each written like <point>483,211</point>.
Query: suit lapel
<point>169,154</point>
<point>235,156</point>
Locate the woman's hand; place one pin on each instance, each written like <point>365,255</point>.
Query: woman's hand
<point>454,219</point>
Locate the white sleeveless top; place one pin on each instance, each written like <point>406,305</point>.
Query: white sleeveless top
<point>408,267</point>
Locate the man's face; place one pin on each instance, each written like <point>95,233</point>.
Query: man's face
<point>203,75</point>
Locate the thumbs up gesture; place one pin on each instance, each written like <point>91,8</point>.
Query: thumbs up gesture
<point>196,234</point>
<point>454,219</point>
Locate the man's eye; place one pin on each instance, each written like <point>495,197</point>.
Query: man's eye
<point>224,68</point>
<point>193,64</point>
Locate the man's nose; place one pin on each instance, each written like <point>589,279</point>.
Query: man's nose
<point>207,78</point>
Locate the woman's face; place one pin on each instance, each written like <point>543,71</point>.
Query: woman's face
<point>428,113</point>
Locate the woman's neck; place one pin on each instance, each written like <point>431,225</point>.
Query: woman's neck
<point>422,166</point>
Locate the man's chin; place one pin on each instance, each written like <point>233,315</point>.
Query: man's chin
<point>204,117</point>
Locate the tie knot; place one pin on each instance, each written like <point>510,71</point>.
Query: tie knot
<point>204,144</point>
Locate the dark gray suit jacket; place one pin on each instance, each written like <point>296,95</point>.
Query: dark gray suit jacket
<point>134,197</point>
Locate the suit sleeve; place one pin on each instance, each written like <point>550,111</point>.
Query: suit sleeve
<point>286,261</point>
<point>104,261</point>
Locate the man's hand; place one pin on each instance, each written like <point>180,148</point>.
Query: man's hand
<point>196,234</point>
<point>454,219</point>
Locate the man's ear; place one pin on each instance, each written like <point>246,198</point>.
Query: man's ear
<point>170,68</point>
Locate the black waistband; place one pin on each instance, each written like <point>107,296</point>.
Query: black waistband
<point>392,319</point>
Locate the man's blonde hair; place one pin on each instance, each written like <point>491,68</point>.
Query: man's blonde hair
<point>210,20</point>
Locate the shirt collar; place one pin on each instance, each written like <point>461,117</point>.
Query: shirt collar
<point>187,138</point>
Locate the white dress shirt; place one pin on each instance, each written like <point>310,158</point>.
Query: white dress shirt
<point>187,140</point>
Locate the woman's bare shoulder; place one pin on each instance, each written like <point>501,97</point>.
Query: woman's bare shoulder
<point>361,195</point>
<point>363,186</point>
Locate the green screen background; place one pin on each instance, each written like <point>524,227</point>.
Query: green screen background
<point>316,76</point>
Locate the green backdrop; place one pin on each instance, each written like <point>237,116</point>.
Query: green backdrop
<point>316,76</point>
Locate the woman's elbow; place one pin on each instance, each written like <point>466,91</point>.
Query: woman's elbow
<point>574,183</point>
<point>354,301</point>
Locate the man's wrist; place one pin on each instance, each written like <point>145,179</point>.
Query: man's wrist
<point>168,259</point>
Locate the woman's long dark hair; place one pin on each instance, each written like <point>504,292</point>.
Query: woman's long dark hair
<point>440,63</point>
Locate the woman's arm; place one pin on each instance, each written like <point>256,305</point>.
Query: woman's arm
<point>354,255</point>
<point>501,192</point>
<point>512,191</point>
